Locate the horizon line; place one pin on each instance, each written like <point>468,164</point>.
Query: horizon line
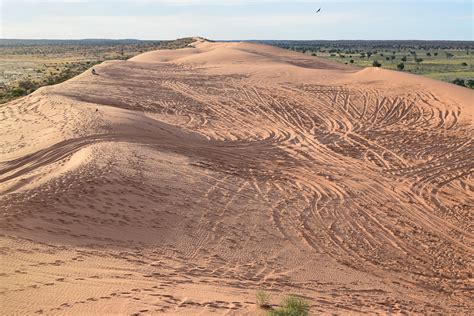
<point>229,40</point>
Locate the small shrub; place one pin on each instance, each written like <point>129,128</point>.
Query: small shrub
<point>401,66</point>
<point>292,306</point>
<point>27,85</point>
<point>18,92</point>
<point>470,83</point>
<point>459,82</point>
<point>263,299</point>
<point>351,61</point>
<point>297,304</point>
<point>376,64</point>
<point>404,58</point>
<point>464,64</point>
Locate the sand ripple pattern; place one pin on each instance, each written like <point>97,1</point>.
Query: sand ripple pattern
<point>273,182</point>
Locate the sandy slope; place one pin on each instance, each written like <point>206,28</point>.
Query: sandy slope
<point>210,172</point>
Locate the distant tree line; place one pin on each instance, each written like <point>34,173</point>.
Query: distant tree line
<point>378,44</point>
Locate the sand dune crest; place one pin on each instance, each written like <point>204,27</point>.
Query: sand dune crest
<point>182,181</point>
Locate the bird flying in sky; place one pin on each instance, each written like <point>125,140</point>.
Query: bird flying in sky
<point>319,10</point>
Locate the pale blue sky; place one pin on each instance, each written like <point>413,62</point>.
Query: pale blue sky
<point>237,19</point>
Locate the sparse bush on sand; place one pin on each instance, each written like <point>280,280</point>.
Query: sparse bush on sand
<point>291,306</point>
<point>263,299</point>
<point>459,82</point>
<point>376,63</point>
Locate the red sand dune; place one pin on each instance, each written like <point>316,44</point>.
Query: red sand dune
<point>210,172</point>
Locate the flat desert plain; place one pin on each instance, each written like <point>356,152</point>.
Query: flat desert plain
<point>184,181</point>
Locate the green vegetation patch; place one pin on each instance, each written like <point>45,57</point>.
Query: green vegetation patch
<point>26,65</point>
<point>442,60</point>
<point>292,305</point>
